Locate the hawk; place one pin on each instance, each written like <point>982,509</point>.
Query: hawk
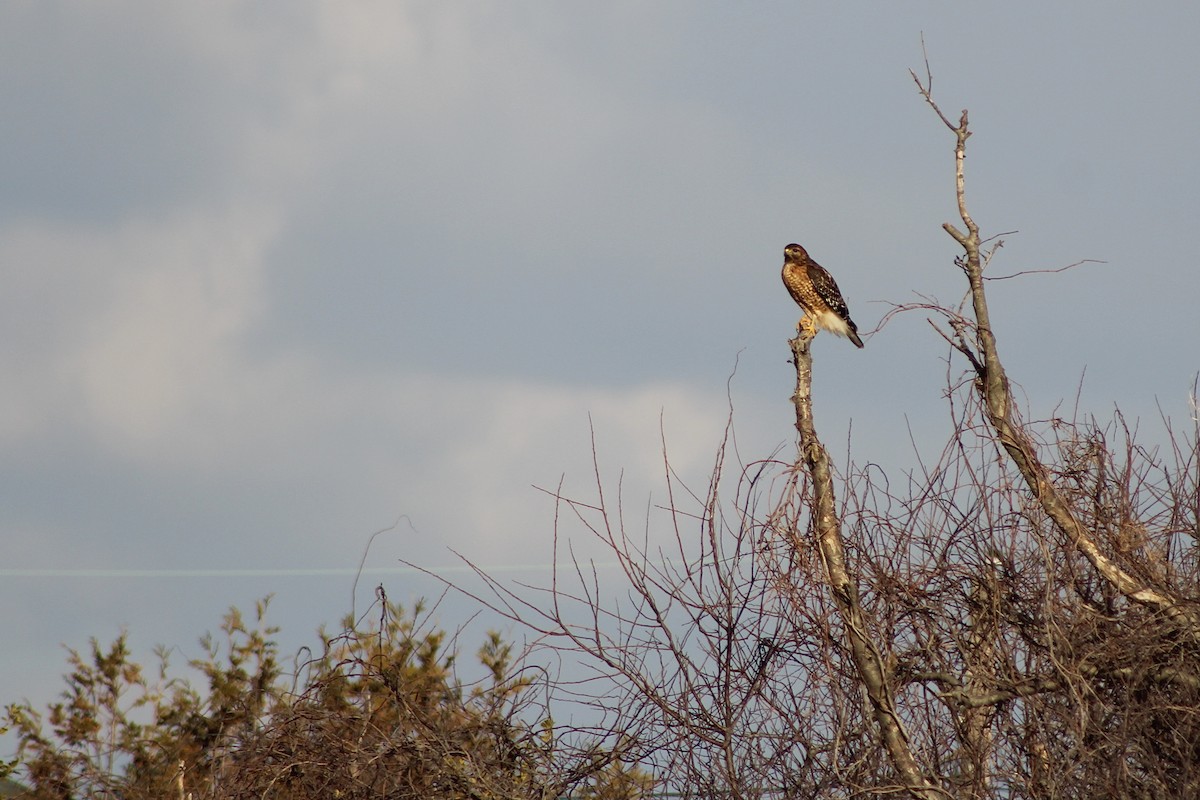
<point>817,293</point>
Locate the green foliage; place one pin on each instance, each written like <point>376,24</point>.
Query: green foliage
<point>117,734</point>
<point>617,781</point>
<point>378,712</point>
<point>7,767</point>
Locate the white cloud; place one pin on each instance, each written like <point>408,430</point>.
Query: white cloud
<point>151,362</point>
<point>145,323</point>
<point>154,317</point>
<point>165,353</point>
<point>508,437</point>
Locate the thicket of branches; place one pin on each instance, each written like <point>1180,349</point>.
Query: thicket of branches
<point>1017,617</point>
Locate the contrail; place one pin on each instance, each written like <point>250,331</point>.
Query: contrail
<point>281,573</point>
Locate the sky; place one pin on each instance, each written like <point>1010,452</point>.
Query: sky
<point>281,275</point>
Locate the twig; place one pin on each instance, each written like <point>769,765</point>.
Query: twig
<point>1043,271</point>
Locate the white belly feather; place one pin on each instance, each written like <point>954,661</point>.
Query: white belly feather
<point>832,323</point>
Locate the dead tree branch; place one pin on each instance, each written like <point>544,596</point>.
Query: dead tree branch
<point>993,388</point>
<point>875,675</point>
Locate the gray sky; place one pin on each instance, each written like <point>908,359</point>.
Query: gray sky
<point>279,273</point>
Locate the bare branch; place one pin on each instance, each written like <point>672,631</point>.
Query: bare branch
<point>1043,271</point>
<point>843,585</point>
<point>994,390</point>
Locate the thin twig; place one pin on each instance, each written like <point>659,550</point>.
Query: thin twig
<point>1043,271</point>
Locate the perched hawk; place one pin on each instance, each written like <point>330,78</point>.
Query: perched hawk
<point>817,293</point>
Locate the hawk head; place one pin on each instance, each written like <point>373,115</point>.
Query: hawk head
<point>796,253</point>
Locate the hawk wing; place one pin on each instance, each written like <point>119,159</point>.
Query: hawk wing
<point>827,289</point>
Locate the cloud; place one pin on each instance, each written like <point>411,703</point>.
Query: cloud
<point>150,363</point>
<point>145,320</point>
<point>164,355</point>
<point>153,340</point>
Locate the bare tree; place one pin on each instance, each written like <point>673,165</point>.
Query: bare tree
<point>1016,617</point>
